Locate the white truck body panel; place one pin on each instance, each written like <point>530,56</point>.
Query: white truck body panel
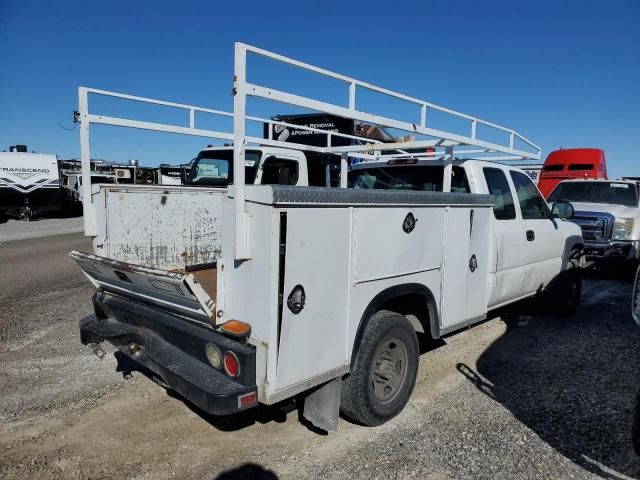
<point>133,226</point>
<point>333,249</point>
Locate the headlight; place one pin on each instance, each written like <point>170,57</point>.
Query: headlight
<point>622,228</point>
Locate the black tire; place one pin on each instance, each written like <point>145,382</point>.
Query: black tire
<point>570,288</point>
<point>635,424</point>
<point>384,371</point>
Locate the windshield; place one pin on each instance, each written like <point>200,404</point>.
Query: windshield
<point>596,192</point>
<point>215,168</point>
<point>102,179</point>
<point>425,178</point>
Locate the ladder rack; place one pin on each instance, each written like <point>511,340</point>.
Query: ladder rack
<point>438,139</point>
<point>441,143</point>
<point>87,118</point>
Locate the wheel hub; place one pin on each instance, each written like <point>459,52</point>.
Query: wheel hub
<point>389,370</point>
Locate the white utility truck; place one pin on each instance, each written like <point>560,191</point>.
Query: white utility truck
<point>29,184</point>
<point>317,292</point>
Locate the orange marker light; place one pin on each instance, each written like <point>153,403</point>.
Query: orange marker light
<point>236,329</point>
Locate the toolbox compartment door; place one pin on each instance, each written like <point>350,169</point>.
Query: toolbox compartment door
<point>176,291</point>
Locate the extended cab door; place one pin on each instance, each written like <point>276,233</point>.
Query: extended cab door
<point>506,274</point>
<point>543,245</point>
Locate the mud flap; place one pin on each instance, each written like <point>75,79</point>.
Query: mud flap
<point>322,406</point>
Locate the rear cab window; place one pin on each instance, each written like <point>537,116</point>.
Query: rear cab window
<point>279,171</point>
<point>424,178</point>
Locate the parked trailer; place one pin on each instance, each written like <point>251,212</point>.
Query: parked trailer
<point>318,292</point>
<point>29,184</point>
<point>170,174</point>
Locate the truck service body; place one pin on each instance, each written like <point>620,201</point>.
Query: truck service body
<point>29,184</point>
<point>317,291</point>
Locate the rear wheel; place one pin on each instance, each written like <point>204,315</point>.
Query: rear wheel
<point>635,426</point>
<point>384,372</point>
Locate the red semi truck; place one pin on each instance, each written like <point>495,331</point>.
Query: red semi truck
<point>565,164</point>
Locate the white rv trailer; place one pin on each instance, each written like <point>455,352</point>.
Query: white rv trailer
<point>319,291</point>
<point>29,184</point>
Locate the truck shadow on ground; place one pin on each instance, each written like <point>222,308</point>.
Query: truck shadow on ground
<point>261,414</point>
<point>572,381</point>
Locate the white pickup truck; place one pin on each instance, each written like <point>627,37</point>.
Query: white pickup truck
<point>318,292</point>
<point>608,211</point>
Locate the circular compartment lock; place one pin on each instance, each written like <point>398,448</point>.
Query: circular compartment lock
<point>409,223</point>
<point>473,263</point>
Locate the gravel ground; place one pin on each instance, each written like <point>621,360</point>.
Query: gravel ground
<point>525,395</point>
<point>12,230</point>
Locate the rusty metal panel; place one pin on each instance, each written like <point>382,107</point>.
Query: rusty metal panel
<point>163,227</point>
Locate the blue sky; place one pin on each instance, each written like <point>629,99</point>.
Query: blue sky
<point>563,73</point>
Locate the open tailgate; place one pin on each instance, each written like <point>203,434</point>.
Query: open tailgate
<point>176,291</point>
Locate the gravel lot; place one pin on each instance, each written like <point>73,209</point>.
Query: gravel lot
<point>12,230</point>
<point>525,395</point>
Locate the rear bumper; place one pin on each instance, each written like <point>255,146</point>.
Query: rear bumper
<point>611,251</point>
<point>173,348</point>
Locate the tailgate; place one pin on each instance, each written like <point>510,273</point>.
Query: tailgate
<point>176,291</point>
<point>161,226</point>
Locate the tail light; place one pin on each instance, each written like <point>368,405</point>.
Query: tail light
<point>214,356</point>
<point>231,364</point>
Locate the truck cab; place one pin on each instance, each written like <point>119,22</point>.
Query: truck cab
<point>578,163</point>
<point>608,212</point>
<point>73,189</point>
<point>528,245</point>
<point>213,167</point>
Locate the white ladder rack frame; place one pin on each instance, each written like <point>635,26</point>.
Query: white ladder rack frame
<point>442,141</point>
<point>243,89</point>
<point>87,119</point>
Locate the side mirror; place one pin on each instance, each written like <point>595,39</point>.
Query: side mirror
<point>635,299</point>
<point>562,210</point>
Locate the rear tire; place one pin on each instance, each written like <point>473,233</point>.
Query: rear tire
<point>384,371</point>
<point>635,424</point>
<point>570,288</point>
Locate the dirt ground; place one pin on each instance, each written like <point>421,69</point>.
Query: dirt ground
<point>525,395</point>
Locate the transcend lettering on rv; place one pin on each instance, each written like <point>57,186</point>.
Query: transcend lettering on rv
<point>25,170</point>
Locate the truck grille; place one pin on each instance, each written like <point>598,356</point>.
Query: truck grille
<point>596,226</point>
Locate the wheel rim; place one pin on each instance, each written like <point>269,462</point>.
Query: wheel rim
<point>389,370</point>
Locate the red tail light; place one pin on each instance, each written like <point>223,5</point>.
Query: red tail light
<point>231,364</point>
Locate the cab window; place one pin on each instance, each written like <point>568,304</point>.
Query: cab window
<point>498,185</point>
<point>279,171</point>
<point>459,182</point>
<point>532,205</point>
